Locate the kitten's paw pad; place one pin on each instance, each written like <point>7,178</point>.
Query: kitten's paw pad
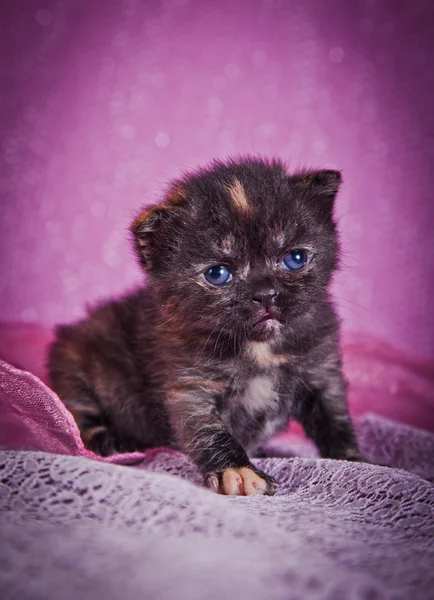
<point>245,482</point>
<point>271,483</point>
<point>242,482</point>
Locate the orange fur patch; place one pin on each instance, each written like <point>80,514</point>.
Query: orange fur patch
<point>239,198</point>
<point>191,384</point>
<point>141,219</point>
<point>80,409</point>
<point>88,434</point>
<point>262,354</point>
<point>176,196</point>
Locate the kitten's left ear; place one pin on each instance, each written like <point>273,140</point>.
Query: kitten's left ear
<point>155,224</point>
<point>321,184</point>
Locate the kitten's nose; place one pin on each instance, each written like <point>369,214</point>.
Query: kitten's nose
<point>265,297</point>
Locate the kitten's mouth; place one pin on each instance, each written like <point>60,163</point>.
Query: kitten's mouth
<point>267,318</point>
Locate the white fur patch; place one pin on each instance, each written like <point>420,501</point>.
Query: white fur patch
<point>259,394</point>
<point>262,353</point>
<point>271,428</point>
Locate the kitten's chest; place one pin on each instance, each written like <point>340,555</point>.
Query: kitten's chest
<point>259,394</point>
<point>259,407</point>
<point>264,387</point>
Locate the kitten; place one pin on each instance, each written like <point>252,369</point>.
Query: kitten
<point>233,335</point>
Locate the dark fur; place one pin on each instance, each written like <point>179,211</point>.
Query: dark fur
<point>170,364</point>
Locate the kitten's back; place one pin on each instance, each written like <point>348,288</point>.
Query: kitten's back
<point>101,369</point>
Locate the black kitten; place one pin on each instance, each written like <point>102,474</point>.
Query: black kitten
<point>234,334</point>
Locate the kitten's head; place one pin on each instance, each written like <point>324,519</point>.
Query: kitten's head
<point>241,247</point>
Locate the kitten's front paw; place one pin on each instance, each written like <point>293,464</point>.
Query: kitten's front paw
<point>244,481</point>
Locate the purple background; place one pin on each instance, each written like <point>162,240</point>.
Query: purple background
<point>102,101</point>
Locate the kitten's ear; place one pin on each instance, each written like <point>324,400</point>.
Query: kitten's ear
<point>155,222</point>
<point>323,185</point>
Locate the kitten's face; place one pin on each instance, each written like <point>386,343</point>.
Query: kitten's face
<point>241,248</point>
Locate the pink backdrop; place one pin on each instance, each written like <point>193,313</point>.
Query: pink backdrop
<point>102,101</point>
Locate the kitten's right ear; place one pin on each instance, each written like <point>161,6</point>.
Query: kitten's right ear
<point>321,187</point>
<point>148,227</point>
<point>324,183</point>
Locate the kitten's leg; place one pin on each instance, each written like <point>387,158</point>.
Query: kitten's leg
<point>324,415</point>
<point>94,429</point>
<point>203,435</point>
<point>74,385</point>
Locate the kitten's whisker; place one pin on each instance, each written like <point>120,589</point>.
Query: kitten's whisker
<point>175,315</point>
<point>350,329</point>
<point>203,347</point>
<point>351,302</point>
<point>343,307</point>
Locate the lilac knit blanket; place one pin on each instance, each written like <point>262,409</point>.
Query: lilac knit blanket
<point>75,527</point>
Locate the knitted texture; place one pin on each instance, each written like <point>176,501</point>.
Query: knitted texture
<point>73,525</point>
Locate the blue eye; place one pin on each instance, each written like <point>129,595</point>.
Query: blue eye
<point>218,275</point>
<point>295,260</point>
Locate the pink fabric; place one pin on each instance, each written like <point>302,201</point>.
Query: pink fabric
<point>34,418</point>
<point>381,380</point>
<point>387,382</point>
<point>334,530</point>
<point>101,102</point>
